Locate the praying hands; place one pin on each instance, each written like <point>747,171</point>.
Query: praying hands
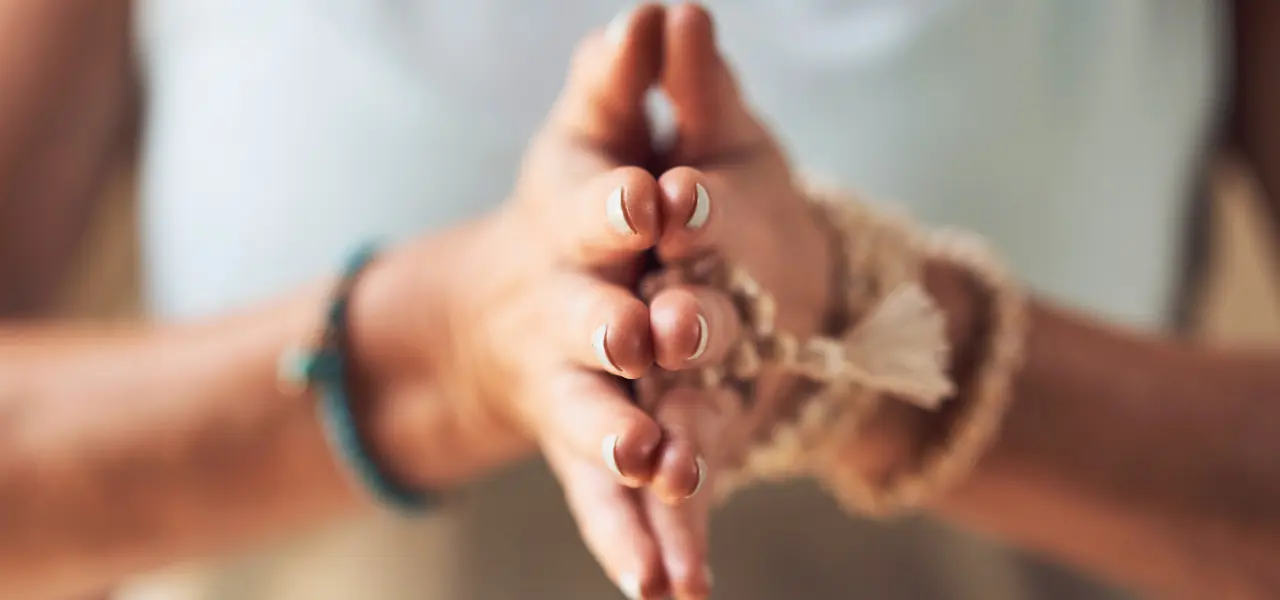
<point>784,332</point>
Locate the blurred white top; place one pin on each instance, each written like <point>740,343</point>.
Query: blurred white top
<point>281,132</point>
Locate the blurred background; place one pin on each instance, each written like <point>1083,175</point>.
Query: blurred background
<point>1236,300</point>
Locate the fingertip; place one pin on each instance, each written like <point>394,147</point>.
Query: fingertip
<point>632,209</point>
<point>681,533</point>
<point>692,18</point>
<point>689,207</point>
<point>652,583</point>
<point>692,326</point>
<point>614,217</point>
<point>631,453</point>
<point>690,581</point>
<point>692,58</point>
<point>623,345</point>
<point>610,71</point>
<point>612,524</point>
<point>680,331</point>
<point>681,471</point>
<point>636,25</point>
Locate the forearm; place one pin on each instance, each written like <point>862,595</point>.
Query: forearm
<point>65,117</point>
<point>1148,461</point>
<point>123,450</point>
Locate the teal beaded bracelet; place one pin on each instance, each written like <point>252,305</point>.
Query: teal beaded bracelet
<point>323,367</point>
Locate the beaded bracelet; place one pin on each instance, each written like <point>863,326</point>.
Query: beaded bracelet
<point>323,366</point>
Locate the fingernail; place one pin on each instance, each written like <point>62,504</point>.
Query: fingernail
<point>609,448</point>
<point>707,576</point>
<point>630,586</point>
<point>617,29</point>
<point>701,465</point>
<point>701,207</point>
<point>702,339</point>
<point>617,214</point>
<point>602,353</point>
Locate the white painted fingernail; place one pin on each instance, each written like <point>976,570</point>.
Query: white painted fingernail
<point>702,339</point>
<point>630,586</point>
<point>617,214</point>
<point>617,29</point>
<point>701,208</point>
<point>609,448</point>
<point>602,353</point>
<point>702,476</point>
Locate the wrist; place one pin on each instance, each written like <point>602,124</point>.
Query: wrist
<point>897,434</point>
<point>963,303</point>
<point>424,433</point>
<point>377,369</point>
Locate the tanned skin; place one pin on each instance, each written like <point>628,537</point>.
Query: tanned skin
<point>1148,461</point>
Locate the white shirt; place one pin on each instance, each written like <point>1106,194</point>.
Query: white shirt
<point>281,133</point>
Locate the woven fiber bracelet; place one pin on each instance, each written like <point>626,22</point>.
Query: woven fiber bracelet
<point>323,367</point>
<point>894,346</point>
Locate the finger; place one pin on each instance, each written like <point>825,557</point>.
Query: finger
<point>694,213</point>
<point>592,415</point>
<point>599,325</point>
<point>604,98</point>
<point>681,533</point>
<point>689,418</point>
<point>612,525</point>
<point>692,327</point>
<point>614,216</point>
<point>710,114</point>
<point>679,506</point>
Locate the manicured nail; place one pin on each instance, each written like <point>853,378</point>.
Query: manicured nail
<point>702,339</point>
<point>701,207</point>
<point>617,29</point>
<point>617,214</point>
<point>630,586</point>
<point>602,353</point>
<point>701,465</point>
<point>609,448</point>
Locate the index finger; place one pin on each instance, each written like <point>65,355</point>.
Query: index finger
<point>615,216</point>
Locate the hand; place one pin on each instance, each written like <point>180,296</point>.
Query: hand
<point>529,319</point>
<point>729,191</point>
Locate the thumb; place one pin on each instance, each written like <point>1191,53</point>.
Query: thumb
<point>712,119</point>
<point>603,101</point>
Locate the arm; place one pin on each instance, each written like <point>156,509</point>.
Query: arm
<point>126,449</point>
<point>65,117</point>
<point>1254,118</point>
<point>1147,461</point>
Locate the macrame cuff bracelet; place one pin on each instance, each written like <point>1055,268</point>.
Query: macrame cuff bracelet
<point>894,348</point>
